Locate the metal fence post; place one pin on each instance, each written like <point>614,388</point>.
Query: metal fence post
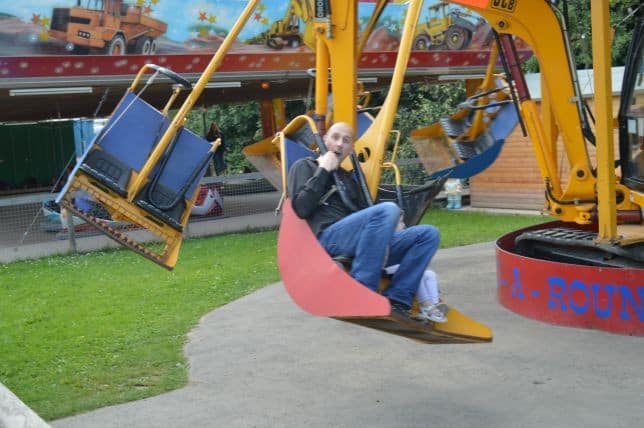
<point>70,231</point>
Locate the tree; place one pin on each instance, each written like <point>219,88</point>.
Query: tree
<point>239,124</point>
<point>577,15</point>
<point>421,104</point>
<point>623,20</point>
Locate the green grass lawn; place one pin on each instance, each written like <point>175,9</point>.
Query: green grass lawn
<point>85,331</point>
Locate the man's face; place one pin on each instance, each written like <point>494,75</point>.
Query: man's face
<point>339,140</point>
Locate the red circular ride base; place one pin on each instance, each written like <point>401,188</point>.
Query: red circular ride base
<point>609,299</point>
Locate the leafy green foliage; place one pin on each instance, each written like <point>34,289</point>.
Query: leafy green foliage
<point>579,29</point>
<point>240,125</point>
<point>421,104</point>
<point>623,21</point>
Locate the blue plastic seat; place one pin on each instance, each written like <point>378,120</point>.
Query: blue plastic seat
<point>482,152</point>
<point>125,143</point>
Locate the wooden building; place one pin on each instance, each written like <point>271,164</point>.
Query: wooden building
<point>514,180</point>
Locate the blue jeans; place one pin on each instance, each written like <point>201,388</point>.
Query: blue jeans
<point>366,236</point>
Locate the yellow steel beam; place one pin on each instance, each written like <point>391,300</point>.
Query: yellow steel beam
<point>376,136</point>
<point>600,18</point>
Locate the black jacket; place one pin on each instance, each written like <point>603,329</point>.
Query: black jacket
<point>312,193</point>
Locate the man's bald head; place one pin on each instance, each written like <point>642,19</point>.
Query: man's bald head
<point>339,139</point>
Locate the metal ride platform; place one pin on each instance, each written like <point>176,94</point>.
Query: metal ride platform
<point>567,294</point>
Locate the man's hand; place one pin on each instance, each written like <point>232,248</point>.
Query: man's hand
<point>329,161</point>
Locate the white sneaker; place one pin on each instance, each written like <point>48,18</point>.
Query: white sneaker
<point>435,312</point>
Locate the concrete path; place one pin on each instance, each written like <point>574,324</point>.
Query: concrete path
<point>16,414</point>
<point>261,362</point>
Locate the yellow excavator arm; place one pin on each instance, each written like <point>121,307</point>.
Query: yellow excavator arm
<point>546,39</point>
<point>586,190</point>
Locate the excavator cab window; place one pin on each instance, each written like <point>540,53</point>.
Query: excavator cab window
<point>635,143</point>
<point>92,4</point>
<point>632,115</point>
<point>437,11</point>
<point>124,8</point>
<point>95,4</point>
<point>114,7</point>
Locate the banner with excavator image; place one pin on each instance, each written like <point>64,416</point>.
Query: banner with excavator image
<point>166,27</point>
